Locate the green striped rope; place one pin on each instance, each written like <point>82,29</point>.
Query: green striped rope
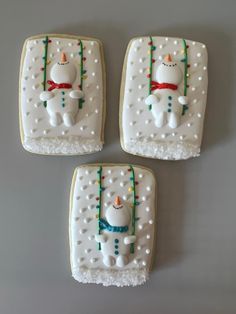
<point>45,56</point>
<point>99,206</point>
<point>132,179</point>
<point>150,68</point>
<point>82,72</point>
<point>185,60</point>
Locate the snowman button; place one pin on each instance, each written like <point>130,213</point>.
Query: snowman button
<point>116,252</point>
<point>116,240</point>
<point>169,110</point>
<point>169,104</point>
<point>169,97</point>
<point>116,246</point>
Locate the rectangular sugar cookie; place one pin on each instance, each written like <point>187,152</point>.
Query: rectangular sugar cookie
<point>112,224</point>
<point>62,95</point>
<point>163,97</point>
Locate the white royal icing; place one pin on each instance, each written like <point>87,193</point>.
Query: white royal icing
<point>115,263</point>
<point>163,132</point>
<point>62,128</point>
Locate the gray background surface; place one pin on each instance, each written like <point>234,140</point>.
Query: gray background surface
<point>195,269</point>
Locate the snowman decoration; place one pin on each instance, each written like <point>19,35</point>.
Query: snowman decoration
<point>115,239</point>
<point>61,98</point>
<point>166,100</point>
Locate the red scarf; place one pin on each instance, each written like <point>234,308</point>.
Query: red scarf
<point>156,85</point>
<point>58,86</point>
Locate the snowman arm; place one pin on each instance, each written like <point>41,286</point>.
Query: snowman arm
<point>129,239</point>
<point>100,238</point>
<point>45,95</point>
<point>152,99</point>
<point>183,100</point>
<point>76,94</point>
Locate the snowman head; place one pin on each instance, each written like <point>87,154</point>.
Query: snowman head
<point>63,71</point>
<point>118,214</point>
<point>169,72</point>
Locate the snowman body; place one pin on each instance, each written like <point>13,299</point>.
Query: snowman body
<point>63,105</point>
<point>62,99</point>
<point>115,246</point>
<point>166,100</point>
<point>115,239</point>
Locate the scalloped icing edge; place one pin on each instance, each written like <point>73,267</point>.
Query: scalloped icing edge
<point>166,151</point>
<point>73,145</point>
<point>106,277</point>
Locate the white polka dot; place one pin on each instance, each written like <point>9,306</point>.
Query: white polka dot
<point>147,251</point>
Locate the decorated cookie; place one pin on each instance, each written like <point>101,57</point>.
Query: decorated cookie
<point>62,104</point>
<point>163,97</point>
<point>112,224</point>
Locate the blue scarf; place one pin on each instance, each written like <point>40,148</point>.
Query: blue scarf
<point>104,225</point>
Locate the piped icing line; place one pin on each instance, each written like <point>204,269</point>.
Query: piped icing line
<point>185,60</point>
<point>99,199</point>
<point>151,61</point>
<point>134,204</point>
<point>82,71</point>
<point>44,69</point>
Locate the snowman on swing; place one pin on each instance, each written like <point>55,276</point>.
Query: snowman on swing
<point>167,103</point>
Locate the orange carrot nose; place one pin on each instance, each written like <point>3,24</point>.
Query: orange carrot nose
<point>117,201</point>
<point>168,58</point>
<point>63,57</point>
